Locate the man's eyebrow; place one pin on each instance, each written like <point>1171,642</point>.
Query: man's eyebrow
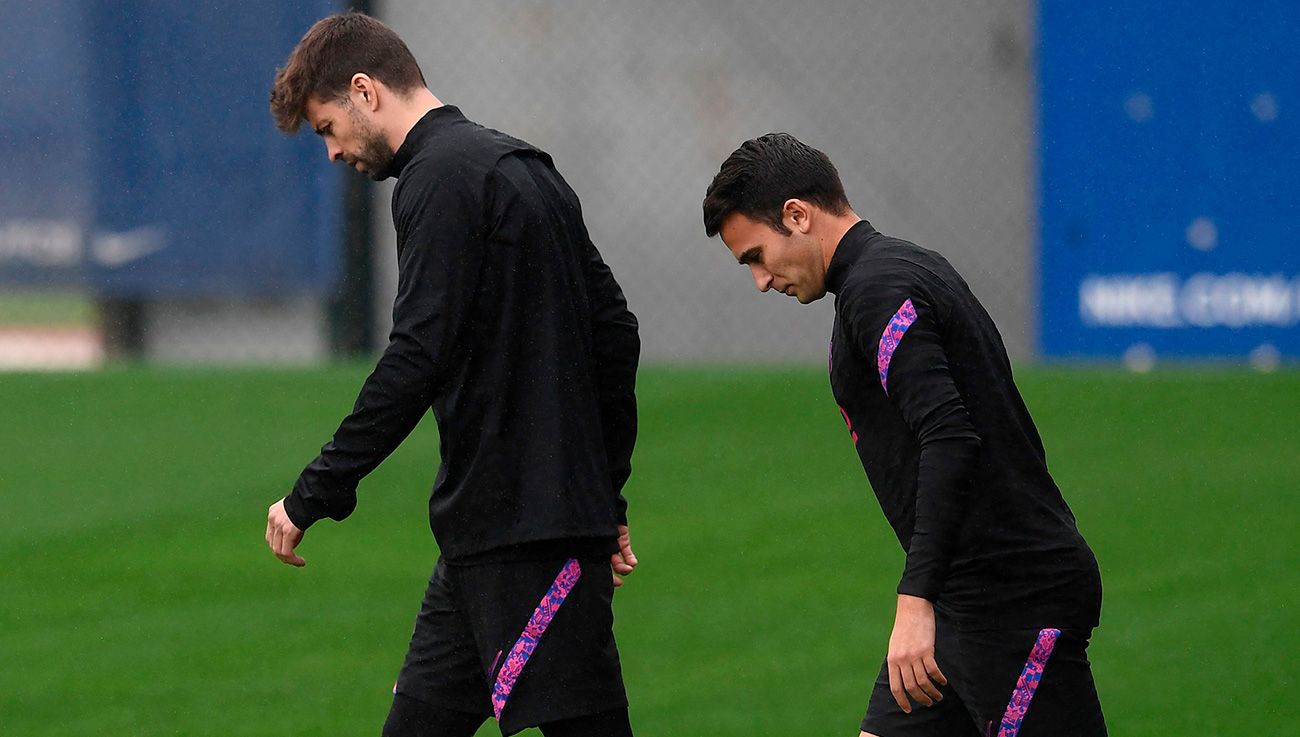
<point>750,256</point>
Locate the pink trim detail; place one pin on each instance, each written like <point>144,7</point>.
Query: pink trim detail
<point>898,325</point>
<point>849,422</point>
<point>532,634</point>
<point>1028,682</point>
<point>830,366</point>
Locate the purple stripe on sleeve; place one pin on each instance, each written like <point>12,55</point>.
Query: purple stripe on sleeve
<point>532,634</point>
<point>1028,682</point>
<point>898,324</point>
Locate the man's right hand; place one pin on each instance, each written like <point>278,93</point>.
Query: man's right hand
<point>282,535</point>
<point>912,668</point>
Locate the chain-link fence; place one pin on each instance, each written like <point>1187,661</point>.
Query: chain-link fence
<point>925,107</point>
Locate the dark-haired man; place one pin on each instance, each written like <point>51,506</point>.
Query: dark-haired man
<point>510,326</point>
<point>999,593</point>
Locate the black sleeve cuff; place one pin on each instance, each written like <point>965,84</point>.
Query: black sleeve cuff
<point>306,506</point>
<point>919,589</point>
<point>620,510</point>
<point>297,511</point>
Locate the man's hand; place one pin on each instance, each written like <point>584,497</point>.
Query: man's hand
<point>282,535</point>
<point>624,560</point>
<point>912,668</point>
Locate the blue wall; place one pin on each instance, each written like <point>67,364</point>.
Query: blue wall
<point>1170,180</point>
<point>142,157</point>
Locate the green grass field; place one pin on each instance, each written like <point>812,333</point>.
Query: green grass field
<point>46,308</point>
<point>137,596</point>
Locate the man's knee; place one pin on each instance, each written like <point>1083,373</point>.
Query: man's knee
<point>410,717</point>
<point>613,723</point>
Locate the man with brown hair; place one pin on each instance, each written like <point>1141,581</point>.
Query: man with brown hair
<point>509,325</point>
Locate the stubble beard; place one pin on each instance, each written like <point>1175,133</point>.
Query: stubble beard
<point>375,152</point>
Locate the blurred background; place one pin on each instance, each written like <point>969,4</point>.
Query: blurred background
<point>1111,183</point>
<point>189,301</point>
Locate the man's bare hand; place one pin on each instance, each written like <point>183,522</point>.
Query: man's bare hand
<point>282,535</point>
<point>624,560</point>
<point>912,668</point>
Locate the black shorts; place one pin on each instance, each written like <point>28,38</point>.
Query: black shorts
<point>1002,683</point>
<point>527,642</point>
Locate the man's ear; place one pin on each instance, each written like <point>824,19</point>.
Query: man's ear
<point>364,91</point>
<point>796,215</point>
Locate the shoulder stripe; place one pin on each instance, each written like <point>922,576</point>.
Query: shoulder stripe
<point>898,325</point>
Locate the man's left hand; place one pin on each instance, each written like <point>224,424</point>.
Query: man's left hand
<point>624,560</point>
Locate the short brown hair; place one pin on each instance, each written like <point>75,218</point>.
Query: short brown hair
<point>763,173</point>
<point>332,50</point>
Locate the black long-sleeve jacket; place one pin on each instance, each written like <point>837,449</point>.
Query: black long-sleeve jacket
<point>923,382</point>
<point>511,327</point>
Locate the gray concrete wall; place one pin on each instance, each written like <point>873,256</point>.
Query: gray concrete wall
<point>924,106</point>
<point>274,330</point>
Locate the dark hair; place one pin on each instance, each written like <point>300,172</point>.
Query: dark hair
<point>757,179</point>
<point>335,48</point>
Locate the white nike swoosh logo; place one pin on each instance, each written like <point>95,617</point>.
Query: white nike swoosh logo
<point>119,249</point>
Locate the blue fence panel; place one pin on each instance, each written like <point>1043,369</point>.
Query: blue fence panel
<point>1170,178</point>
<point>178,183</point>
<point>45,191</point>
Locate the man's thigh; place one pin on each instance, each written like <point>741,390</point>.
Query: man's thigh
<point>947,718</point>
<point>544,630</point>
<point>1031,683</point>
<point>443,667</point>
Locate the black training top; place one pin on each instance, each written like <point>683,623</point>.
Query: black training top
<point>923,382</point>
<point>511,327</point>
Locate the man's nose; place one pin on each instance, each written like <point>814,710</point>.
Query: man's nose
<point>762,279</point>
<point>334,151</point>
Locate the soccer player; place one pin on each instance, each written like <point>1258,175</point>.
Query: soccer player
<point>509,325</point>
<point>999,593</point>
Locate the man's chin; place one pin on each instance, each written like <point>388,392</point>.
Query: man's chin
<point>378,170</point>
<point>375,173</point>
